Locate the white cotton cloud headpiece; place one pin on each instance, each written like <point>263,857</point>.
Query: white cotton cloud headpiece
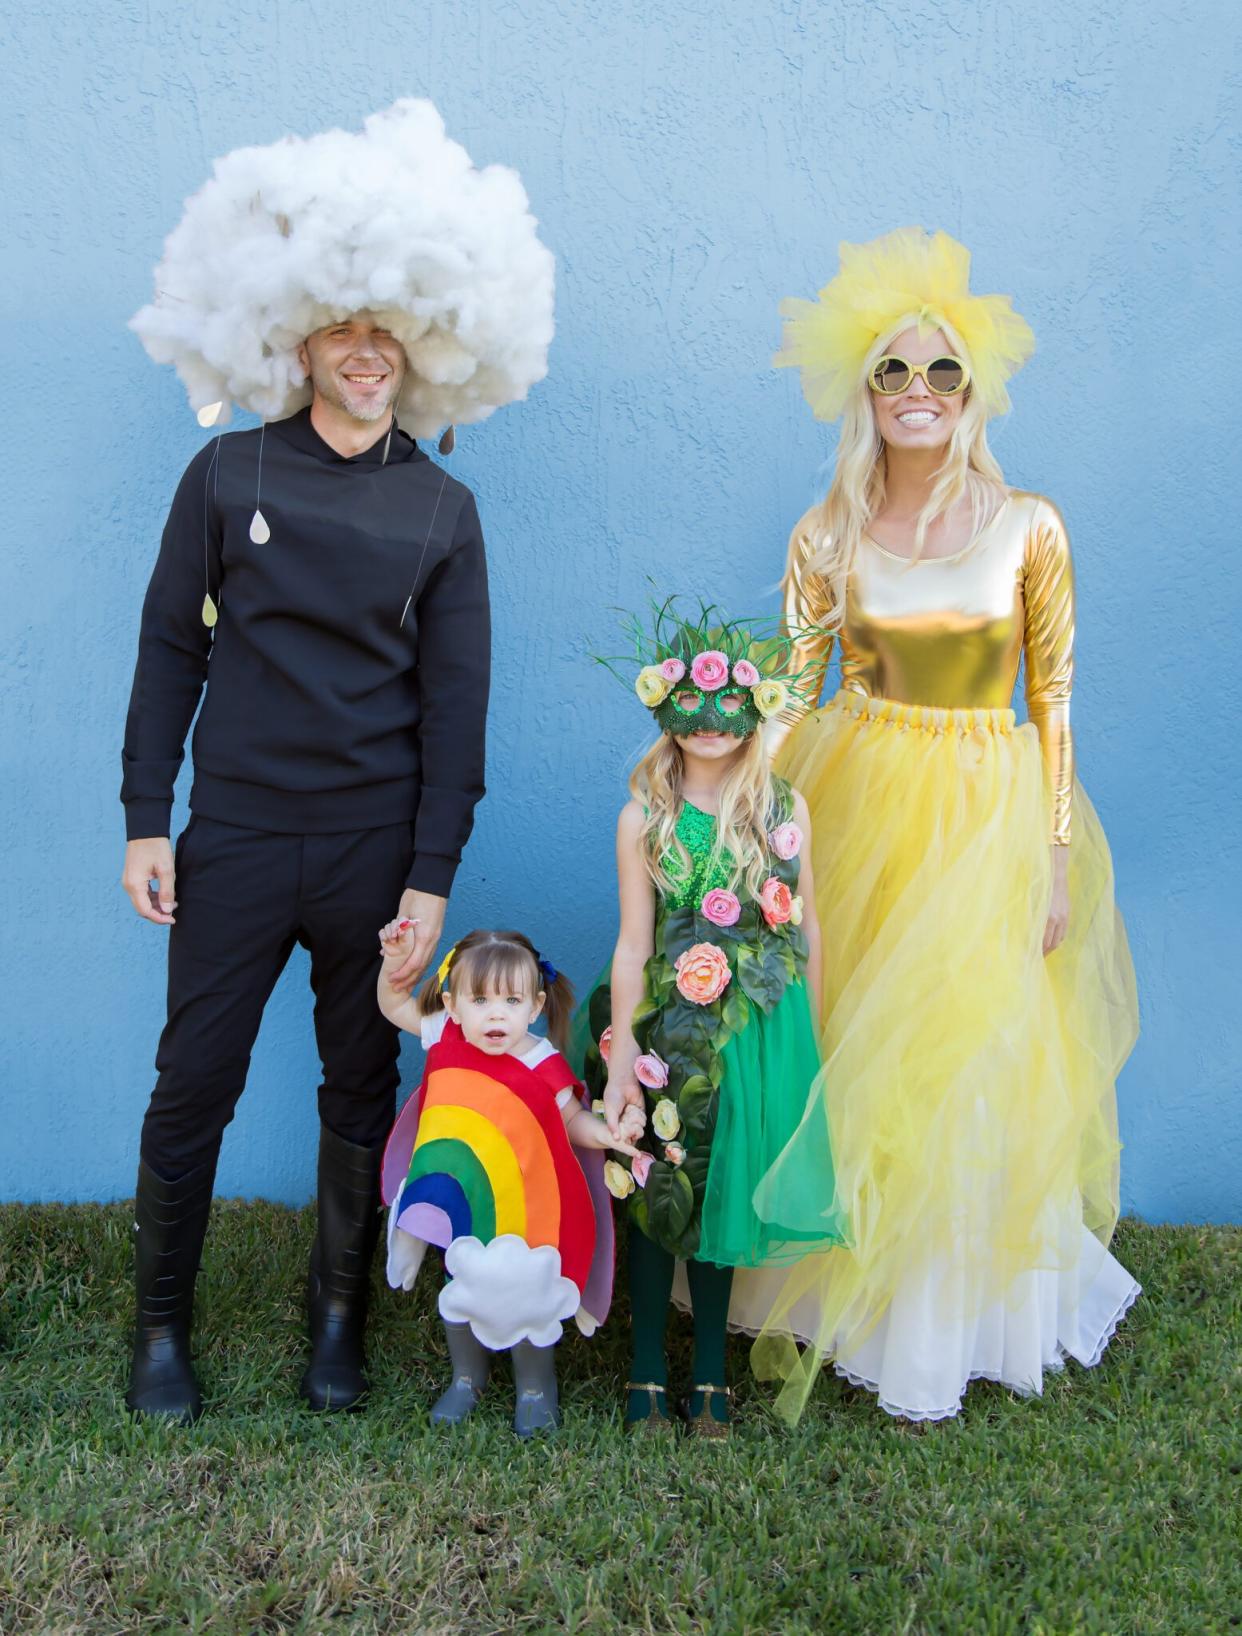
<point>394,220</point>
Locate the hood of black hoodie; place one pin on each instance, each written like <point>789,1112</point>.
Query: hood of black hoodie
<point>298,431</point>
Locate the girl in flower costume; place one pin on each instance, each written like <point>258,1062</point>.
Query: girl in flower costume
<point>704,1017</point>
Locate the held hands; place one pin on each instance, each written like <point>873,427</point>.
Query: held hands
<point>590,1132</point>
<point>396,939</point>
<point>623,1099</point>
<point>424,913</point>
<point>146,861</point>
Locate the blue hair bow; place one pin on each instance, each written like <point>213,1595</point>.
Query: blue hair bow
<point>547,970</point>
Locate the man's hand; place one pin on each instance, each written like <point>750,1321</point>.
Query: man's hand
<point>425,911</point>
<point>146,861</point>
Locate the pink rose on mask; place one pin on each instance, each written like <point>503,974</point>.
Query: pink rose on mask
<point>605,1043</point>
<point>709,670</point>
<point>745,674</point>
<point>776,901</point>
<point>672,670</point>
<point>721,908</point>
<point>702,973</point>
<point>650,1071</point>
<point>640,1164</point>
<point>786,841</point>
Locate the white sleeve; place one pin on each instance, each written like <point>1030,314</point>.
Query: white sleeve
<point>565,1097</point>
<point>431,1028</point>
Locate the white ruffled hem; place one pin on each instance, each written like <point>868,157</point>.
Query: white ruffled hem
<point>919,1362</point>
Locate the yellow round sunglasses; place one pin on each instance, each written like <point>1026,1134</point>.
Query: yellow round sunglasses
<point>946,376</point>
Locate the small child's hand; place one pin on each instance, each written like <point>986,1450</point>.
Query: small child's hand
<point>397,939</point>
<point>633,1124</point>
<point>587,1130</point>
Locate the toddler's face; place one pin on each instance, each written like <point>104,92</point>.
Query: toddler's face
<point>497,1021</point>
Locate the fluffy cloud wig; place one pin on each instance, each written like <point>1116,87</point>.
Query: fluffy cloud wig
<point>395,220</point>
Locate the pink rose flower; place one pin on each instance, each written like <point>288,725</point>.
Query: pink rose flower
<point>702,973</point>
<point>640,1164</point>
<point>745,674</point>
<point>672,670</point>
<point>709,670</point>
<point>605,1043</point>
<point>776,901</point>
<point>650,1071</point>
<point>786,841</point>
<point>675,1153</point>
<point>721,908</point>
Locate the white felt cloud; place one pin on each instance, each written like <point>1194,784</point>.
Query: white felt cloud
<point>394,220</point>
<point>506,1291</point>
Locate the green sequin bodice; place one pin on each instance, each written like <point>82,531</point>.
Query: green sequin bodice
<point>697,833</point>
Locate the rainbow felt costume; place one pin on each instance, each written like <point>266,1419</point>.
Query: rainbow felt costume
<point>480,1166</point>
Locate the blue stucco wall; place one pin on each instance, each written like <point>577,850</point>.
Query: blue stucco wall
<point>690,164</point>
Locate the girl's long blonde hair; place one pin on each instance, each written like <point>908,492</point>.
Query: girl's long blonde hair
<point>833,529</point>
<point>747,806</point>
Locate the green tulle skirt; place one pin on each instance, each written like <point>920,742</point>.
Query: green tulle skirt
<point>768,1072</point>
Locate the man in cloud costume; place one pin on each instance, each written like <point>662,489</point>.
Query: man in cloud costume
<point>354,291</point>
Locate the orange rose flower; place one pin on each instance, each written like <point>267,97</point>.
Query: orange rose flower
<point>776,901</point>
<point>702,973</point>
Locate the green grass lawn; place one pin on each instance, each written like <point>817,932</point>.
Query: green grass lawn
<point>1109,1506</point>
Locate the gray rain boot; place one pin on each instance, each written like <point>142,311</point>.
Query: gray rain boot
<point>536,1407</point>
<point>472,1364</point>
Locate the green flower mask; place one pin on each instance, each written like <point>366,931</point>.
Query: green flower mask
<point>708,675</point>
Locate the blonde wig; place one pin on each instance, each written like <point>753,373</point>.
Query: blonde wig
<point>747,804</point>
<point>834,528</point>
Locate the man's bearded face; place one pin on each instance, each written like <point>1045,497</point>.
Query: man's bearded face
<point>356,365</point>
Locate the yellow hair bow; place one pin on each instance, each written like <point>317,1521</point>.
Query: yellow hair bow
<point>443,969</point>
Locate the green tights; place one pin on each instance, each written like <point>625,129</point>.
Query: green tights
<point>651,1286</point>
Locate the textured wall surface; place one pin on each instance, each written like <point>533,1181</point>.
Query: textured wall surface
<point>690,164</point>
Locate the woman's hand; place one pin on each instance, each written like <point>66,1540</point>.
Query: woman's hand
<point>1059,904</point>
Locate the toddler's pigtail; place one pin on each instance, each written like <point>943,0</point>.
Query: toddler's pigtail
<point>558,1005</point>
<point>431,996</point>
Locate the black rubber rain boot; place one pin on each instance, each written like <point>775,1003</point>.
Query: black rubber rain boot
<point>472,1364</point>
<point>339,1284</point>
<point>170,1221</point>
<point>536,1406</point>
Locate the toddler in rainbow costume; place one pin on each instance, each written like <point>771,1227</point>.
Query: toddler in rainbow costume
<point>483,1163</point>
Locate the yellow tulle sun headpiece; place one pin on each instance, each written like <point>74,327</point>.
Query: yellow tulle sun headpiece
<point>908,276</point>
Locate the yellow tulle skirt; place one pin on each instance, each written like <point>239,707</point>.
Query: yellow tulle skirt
<point>968,1081</point>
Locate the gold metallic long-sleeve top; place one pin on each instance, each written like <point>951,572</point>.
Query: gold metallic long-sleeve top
<point>950,631</point>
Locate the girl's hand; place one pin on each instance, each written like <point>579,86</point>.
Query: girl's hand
<point>588,1131</point>
<point>397,939</point>
<point>1059,904</point>
<point>620,1095</point>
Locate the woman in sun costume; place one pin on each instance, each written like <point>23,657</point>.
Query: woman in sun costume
<point>968,1073</point>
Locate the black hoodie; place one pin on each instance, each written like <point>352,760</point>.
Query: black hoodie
<point>325,711</point>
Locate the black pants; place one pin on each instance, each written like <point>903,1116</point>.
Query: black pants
<point>244,898</point>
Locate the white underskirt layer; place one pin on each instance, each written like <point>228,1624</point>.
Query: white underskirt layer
<point>920,1357</point>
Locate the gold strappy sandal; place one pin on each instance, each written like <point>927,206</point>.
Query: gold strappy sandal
<point>655,1424</point>
<point>705,1424</point>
